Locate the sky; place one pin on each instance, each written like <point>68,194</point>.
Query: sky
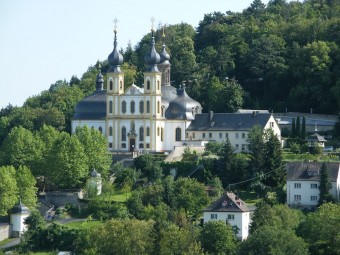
<point>43,41</point>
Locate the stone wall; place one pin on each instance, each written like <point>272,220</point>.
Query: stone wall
<point>4,231</point>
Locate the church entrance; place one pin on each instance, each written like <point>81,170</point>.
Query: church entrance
<point>132,144</point>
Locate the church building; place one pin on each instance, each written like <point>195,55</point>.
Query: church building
<point>153,117</point>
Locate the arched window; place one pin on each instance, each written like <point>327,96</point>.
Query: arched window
<point>178,135</point>
<point>148,106</point>
<point>132,106</point>
<point>123,107</point>
<point>120,84</point>
<point>147,85</point>
<point>141,134</point>
<point>111,85</point>
<point>110,106</point>
<point>158,107</point>
<point>110,131</point>
<point>100,130</point>
<point>158,85</point>
<point>162,111</point>
<point>162,134</point>
<point>147,131</point>
<point>123,133</point>
<point>141,106</point>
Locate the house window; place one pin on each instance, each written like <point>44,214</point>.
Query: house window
<point>237,135</point>
<point>237,146</point>
<point>147,131</point>
<point>220,135</point>
<point>141,107</point>
<point>123,107</point>
<point>203,135</point>
<point>132,106</point>
<point>243,148</point>
<point>297,197</point>
<point>110,106</point>
<point>148,146</point>
<point>271,124</point>
<point>226,135</point>
<point>111,85</point>
<point>110,145</point>
<point>123,133</point>
<point>231,216</point>
<point>100,130</point>
<point>210,135</point>
<point>148,106</point>
<point>314,186</point>
<point>148,85</point>
<point>141,134</point>
<point>297,185</point>
<point>243,135</point>
<point>178,135</point>
<point>213,216</point>
<point>110,131</point>
<point>314,198</point>
<point>123,145</point>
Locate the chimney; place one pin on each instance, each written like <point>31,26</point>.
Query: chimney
<point>211,115</point>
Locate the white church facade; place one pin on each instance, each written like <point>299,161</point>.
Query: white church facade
<point>157,117</point>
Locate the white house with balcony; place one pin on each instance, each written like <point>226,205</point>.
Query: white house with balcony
<point>231,210</point>
<point>303,179</point>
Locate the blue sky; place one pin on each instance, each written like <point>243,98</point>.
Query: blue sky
<point>45,41</point>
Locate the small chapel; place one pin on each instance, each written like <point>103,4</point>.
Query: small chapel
<point>152,117</point>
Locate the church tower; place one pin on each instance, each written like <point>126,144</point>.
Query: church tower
<point>115,88</point>
<point>164,65</point>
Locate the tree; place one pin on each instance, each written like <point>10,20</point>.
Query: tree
<point>8,189</point>
<point>256,149</point>
<point>298,128</point>
<point>95,149</point>
<point>189,195</point>
<point>321,230</point>
<point>26,186</point>
<point>66,164</point>
<point>324,186</point>
<point>293,128</point>
<point>272,240</point>
<point>218,238</point>
<point>303,128</point>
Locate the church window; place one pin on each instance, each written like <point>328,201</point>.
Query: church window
<point>158,85</point>
<point>148,146</point>
<point>110,106</point>
<point>148,85</point>
<point>148,106</point>
<point>123,107</point>
<point>162,134</point>
<point>100,130</point>
<point>147,131</point>
<point>123,145</point>
<point>158,131</point>
<point>141,146</point>
<point>162,111</point>
<point>110,131</point>
<point>123,133</point>
<point>141,106</point>
<point>158,107</point>
<point>132,106</point>
<point>141,134</point>
<point>111,85</point>
<point>178,135</point>
<point>120,84</point>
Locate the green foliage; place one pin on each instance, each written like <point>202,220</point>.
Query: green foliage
<point>321,230</point>
<point>218,238</point>
<point>26,184</point>
<point>273,240</point>
<point>125,177</point>
<point>324,186</point>
<point>8,189</point>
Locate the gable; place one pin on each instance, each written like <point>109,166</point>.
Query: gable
<point>134,90</point>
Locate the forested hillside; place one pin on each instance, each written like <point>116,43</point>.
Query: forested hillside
<point>280,56</point>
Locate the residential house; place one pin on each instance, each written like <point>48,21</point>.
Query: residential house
<point>231,210</point>
<point>303,179</point>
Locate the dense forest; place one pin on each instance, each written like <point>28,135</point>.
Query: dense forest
<point>283,56</point>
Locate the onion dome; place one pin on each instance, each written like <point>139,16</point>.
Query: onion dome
<point>152,57</point>
<point>115,59</point>
<point>20,208</point>
<point>182,107</point>
<point>95,174</point>
<point>99,81</point>
<point>165,56</point>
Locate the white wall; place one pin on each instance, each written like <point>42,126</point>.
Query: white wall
<point>241,220</point>
<point>90,123</point>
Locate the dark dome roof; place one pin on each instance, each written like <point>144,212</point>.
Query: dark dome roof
<point>182,106</point>
<point>165,56</point>
<point>92,107</point>
<point>169,93</point>
<point>94,173</point>
<point>20,208</point>
<point>152,57</point>
<point>115,59</point>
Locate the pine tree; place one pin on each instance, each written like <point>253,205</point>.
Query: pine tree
<point>293,128</point>
<point>303,128</point>
<point>298,128</point>
<point>325,186</point>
